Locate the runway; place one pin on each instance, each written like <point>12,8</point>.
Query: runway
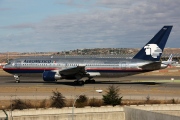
<point>131,87</point>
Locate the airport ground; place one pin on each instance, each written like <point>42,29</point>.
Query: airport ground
<point>162,85</point>
<point>159,85</point>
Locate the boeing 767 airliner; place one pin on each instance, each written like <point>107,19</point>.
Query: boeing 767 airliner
<point>56,68</point>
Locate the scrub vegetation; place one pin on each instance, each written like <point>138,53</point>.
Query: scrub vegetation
<point>111,96</point>
<point>57,100</point>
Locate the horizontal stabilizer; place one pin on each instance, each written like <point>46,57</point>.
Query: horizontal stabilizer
<point>151,66</point>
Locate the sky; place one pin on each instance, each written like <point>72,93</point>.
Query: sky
<point>58,25</point>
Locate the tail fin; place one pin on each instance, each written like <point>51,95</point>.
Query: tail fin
<point>170,58</point>
<point>152,51</point>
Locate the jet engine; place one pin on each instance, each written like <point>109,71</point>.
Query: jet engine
<point>50,76</point>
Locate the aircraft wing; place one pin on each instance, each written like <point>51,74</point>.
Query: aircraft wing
<point>78,71</point>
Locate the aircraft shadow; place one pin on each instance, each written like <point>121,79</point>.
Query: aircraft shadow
<point>71,83</point>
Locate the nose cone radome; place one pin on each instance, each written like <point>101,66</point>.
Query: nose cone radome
<point>4,66</point>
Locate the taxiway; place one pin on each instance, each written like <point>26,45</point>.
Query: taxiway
<point>131,87</point>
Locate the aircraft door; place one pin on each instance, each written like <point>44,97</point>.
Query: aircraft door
<point>18,64</point>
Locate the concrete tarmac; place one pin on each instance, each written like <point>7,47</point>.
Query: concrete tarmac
<point>131,87</point>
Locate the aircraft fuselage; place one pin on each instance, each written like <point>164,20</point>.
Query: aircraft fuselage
<point>104,67</point>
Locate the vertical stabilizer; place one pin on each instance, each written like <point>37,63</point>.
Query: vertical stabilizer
<point>152,51</point>
<point>170,58</point>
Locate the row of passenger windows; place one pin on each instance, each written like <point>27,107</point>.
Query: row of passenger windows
<point>94,65</point>
<point>69,65</point>
<point>41,64</point>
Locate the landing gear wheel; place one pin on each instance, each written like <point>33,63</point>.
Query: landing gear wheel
<point>93,81</point>
<point>16,77</point>
<point>75,82</point>
<point>81,82</point>
<point>86,81</point>
<point>17,81</point>
<point>90,81</point>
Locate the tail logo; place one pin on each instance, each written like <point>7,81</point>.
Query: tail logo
<point>153,50</point>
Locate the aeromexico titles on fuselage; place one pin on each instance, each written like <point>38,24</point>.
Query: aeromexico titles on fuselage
<point>38,61</point>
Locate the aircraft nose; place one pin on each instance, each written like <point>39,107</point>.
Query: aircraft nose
<point>4,66</point>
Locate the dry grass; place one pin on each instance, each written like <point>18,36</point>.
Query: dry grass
<point>143,102</point>
<point>95,102</point>
<point>3,73</point>
<point>46,103</point>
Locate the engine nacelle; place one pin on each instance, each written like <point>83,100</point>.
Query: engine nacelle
<point>50,76</point>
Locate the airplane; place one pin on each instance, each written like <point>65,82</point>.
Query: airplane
<point>169,61</point>
<point>56,68</point>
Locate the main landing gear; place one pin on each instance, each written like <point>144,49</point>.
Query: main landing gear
<point>16,77</point>
<point>90,80</point>
<point>81,82</point>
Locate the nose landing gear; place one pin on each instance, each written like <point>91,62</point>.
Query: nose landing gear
<point>16,77</point>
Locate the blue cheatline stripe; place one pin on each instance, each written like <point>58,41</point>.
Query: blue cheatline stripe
<point>25,71</point>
